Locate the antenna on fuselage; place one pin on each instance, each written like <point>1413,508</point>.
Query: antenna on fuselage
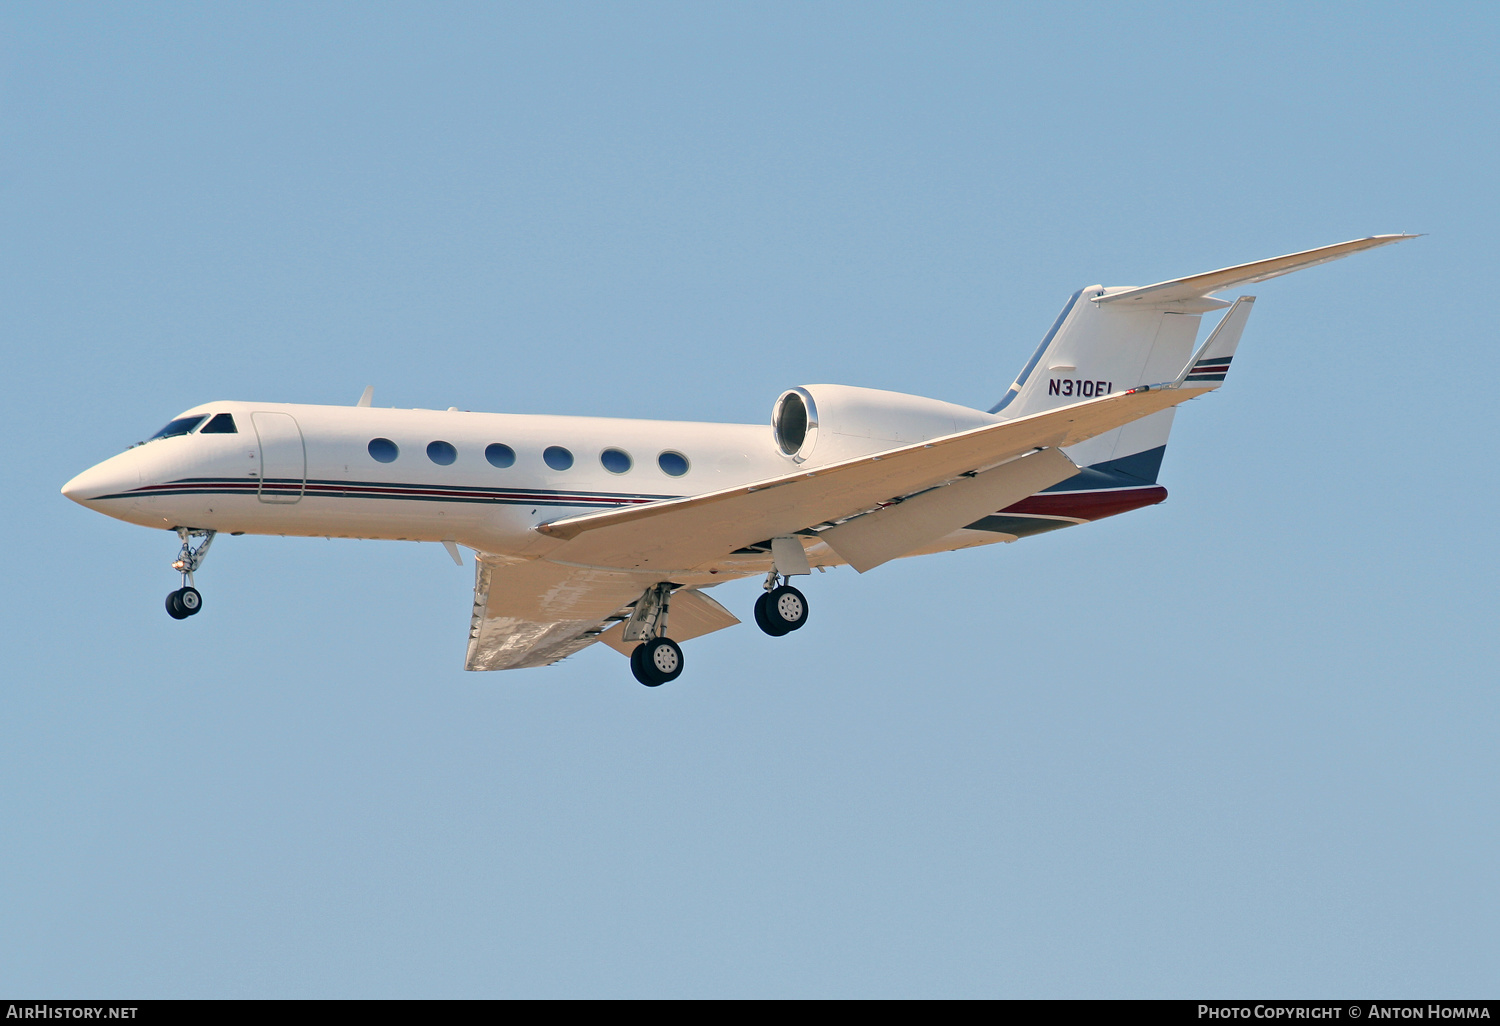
<point>369,393</point>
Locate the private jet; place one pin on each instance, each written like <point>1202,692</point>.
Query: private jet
<point>589,529</point>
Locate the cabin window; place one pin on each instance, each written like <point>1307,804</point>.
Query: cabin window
<point>673,464</point>
<point>383,450</point>
<point>223,424</point>
<point>500,455</point>
<point>556,457</point>
<point>442,453</point>
<point>180,426</point>
<point>616,461</point>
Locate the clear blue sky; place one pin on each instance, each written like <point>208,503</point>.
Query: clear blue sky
<point>1240,743</point>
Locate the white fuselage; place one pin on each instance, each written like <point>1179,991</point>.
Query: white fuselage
<point>308,470</point>
<point>288,469</point>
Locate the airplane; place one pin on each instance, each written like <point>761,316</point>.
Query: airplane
<point>589,529</point>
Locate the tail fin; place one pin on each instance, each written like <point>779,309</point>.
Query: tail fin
<point>1094,350</point>
<point>1114,339</point>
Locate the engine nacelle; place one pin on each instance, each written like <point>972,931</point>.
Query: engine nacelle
<point>828,423</point>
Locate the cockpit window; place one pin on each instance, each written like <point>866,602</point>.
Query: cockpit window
<point>180,426</point>
<point>223,424</point>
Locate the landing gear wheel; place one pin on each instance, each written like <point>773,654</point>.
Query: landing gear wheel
<point>663,659</point>
<point>656,662</point>
<point>763,621</point>
<point>183,603</point>
<point>781,611</point>
<point>639,668</point>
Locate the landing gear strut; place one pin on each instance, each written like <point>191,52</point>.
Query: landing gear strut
<point>657,659</point>
<point>186,601</point>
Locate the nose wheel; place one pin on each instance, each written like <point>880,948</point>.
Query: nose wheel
<point>183,603</point>
<point>186,600</point>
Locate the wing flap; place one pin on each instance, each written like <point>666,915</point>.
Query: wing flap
<point>691,614</point>
<point>878,537</point>
<point>533,613</point>
<point>680,534</point>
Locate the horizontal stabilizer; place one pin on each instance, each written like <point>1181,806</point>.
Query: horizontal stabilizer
<point>1199,286</point>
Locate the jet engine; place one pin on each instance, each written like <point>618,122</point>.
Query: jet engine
<point>827,423</point>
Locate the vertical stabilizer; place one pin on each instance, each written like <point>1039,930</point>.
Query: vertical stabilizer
<point>1096,349</point>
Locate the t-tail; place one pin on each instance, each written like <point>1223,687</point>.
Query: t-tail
<point>1113,339</point>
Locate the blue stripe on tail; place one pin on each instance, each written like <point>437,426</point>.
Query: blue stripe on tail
<point>1126,472</point>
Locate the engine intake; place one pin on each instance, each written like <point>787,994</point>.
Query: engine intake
<point>794,422</point>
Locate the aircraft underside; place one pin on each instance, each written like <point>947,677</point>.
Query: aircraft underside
<point>629,611</point>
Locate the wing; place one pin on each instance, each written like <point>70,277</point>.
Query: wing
<point>533,613</point>
<point>679,534</point>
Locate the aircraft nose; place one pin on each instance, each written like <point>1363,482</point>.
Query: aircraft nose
<point>110,479</point>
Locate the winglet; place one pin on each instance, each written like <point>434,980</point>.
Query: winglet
<point>1200,286</point>
<point>369,393</point>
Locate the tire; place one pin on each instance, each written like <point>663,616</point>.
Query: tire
<point>661,660</point>
<point>174,606</point>
<point>786,609</point>
<point>638,667</point>
<point>190,601</point>
<point>763,619</point>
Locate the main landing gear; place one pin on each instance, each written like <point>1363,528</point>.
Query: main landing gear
<point>781,608</point>
<point>186,601</point>
<point>657,659</point>
<point>656,662</point>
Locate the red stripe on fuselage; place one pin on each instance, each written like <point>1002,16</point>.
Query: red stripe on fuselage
<point>1088,505</point>
<point>312,488</point>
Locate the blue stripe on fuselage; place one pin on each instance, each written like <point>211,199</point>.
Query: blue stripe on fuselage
<point>1126,472</point>
<point>384,490</point>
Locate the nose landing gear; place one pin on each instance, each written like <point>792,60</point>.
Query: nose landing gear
<point>186,600</point>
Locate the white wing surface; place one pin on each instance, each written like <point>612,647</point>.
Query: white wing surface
<point>681,534</point>
<point>532,613</point>
<point>880,536</point>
